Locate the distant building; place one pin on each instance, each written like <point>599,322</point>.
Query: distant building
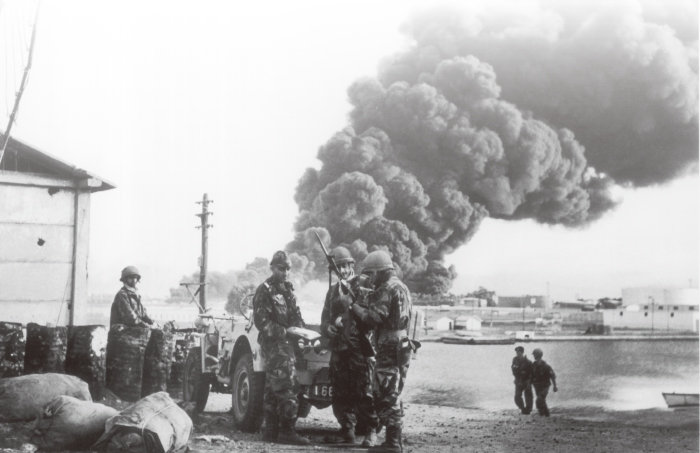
<point>444,323</point>
<point>473,302</point>
<point>44,231</point>
<point>662,299</point>
<point>468,322</point>
<point>524,301</point>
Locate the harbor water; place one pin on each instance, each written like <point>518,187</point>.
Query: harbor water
<point>612,375</point>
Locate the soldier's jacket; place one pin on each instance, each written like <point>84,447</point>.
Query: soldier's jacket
<point>347,336</point>
<point>542,373</point>
<point>128,310</point>
<point>389,312</point>
<point>521,368</point>
<point>275,309</point>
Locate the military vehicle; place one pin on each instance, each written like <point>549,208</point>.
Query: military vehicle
<point>224,357</point>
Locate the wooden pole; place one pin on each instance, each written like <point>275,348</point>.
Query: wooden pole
<point>204,218</point>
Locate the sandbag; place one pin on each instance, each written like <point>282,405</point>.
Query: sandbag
<point>157,360</point>
<point>86,357</point>
<point>67,423</point>
<point>155,424</point>
<point>24,397</point>
<point>126,348</point>
<point>45,351</point>
<point>11,349</point>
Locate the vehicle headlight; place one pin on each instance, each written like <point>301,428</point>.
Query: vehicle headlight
<point>301,343</point>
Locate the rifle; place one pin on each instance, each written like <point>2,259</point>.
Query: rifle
<point>365,344</point>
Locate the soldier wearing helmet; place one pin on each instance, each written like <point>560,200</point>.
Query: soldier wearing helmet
<point>350,366</point>
<point>274,310</point>
<point>127,308</point>
<point>390,312</point>
<point>542,377</point>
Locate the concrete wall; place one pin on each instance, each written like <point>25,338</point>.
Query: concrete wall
<point>43,249</point>
<point>658,320</point>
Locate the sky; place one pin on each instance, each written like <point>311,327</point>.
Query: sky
<point>170,100</point>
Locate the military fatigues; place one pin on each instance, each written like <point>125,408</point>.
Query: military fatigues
<point>522,371</point>
<point>128,310</point>
<point>390,312</point>
<point>542,377</point>
<point>351,368</point>
<point>275,309</point>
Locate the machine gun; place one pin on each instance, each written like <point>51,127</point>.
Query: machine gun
<point>366,346</point>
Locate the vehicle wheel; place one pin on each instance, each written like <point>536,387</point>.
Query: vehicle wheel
<point>247,388</point>
<point>195,384</point>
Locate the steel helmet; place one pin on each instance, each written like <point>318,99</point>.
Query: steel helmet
<point>130,271</point>
<point>378,260</point>
<point>280,258</point>
<point>537,353</point>
<point>341,255</point>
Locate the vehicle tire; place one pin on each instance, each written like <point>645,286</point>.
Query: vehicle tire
<point>195,384</point>
<point>247,389</point>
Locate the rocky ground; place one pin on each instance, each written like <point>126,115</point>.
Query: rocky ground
<point>444,429</point>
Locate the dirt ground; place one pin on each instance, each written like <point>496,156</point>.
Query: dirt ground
<point>444,429</point>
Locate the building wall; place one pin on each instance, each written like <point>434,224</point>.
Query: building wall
<point>524,301</point>
<point>37,255</point>
<point>685,320</point>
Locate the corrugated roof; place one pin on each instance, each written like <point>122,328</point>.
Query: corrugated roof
<point>29,159</point>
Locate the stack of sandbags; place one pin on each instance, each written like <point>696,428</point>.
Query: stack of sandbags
<point>23,398</point>
<point>126,348</point>
<point>11,349</point>
<point>46,349</point>
<point>86,358</point>
<point>157,360</point>
<point>155,424</point>
<point>67,423</point>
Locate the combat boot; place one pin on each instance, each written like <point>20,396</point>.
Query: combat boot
<point>270,429</point>
<point>392,443</point>
<point>347,435</point>
<point>288,435</point>
<point>370,439</point>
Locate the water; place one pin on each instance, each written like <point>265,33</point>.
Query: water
<point>613,375</point>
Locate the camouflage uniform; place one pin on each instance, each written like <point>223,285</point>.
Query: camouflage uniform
<point>351,369</point>
<point>390,312</point>
<point>128,310</point>
<point>275,309</point>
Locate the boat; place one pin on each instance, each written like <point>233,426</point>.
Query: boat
<point>477,340</point>
<point>681,399</point>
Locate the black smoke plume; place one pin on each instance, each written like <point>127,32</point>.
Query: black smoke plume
<point>500,118</point>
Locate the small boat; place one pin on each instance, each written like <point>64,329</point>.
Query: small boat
<point>477,340</point>
<point>681,399</point>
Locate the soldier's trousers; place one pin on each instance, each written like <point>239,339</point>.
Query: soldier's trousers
<point>281,389</point>
<point>526,388</point>
<point>351,377</point>
<point>389,379</point>
<point>541,391</point>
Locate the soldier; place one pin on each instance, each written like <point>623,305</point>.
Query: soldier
<point>350,366</point>
<point>522,372</point>
<point>127,308</point>
<point>275,309</point>
<point>389,312</point>
<point>542,375</point>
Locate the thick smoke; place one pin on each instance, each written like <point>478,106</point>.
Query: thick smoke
<point>504,118</point>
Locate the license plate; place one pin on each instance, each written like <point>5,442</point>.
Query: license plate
<point>321,391</point>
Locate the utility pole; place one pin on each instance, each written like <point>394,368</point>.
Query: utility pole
<point>204,226</point>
